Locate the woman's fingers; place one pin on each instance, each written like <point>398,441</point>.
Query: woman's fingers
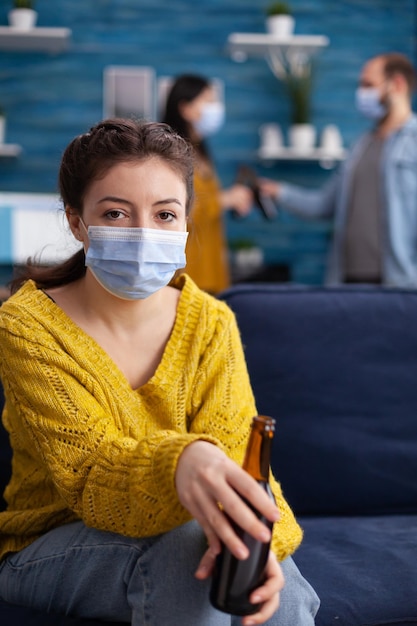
<point>206,477</point>
<point>206,565</point>
<point>268,594</point>
<point>216,525</point>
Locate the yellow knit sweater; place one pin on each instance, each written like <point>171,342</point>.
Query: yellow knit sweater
<point>88,446</point>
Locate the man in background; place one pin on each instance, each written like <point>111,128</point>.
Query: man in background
<point>373,196</point>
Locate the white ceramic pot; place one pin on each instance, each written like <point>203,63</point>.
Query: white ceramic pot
<point>331,139</point>
<point>271,137</point>
<point>2,129</point>
<point>22,19</point>
<point>280,25</point>
<point>249,260</point>
<point>302,137</point>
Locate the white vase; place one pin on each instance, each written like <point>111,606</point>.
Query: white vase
<point>302,137</point>
<point>22,19</point>
<point>331,139</point>
<point>249,259</point>
<point>271,137</point>
<point>280,25</point>
<point>2,129</point>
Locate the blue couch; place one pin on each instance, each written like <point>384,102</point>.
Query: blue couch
<point>338,370</point>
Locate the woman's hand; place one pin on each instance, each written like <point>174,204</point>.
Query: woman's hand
<point>267,595</point>
<point>237,197</point>
<point>206,477</point>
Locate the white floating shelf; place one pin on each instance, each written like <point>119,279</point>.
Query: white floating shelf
<point>42,39</point>
<point>10,150</point>
<point>291,154</point>
<point>261,44</point>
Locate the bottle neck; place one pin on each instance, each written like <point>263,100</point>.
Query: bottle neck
<point>258,451</point>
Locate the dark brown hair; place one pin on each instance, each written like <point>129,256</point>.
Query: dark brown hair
<point>396,63</point>
<point>88,158</point>
<point>185,88</point>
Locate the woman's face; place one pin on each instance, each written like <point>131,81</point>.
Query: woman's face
<point>147,194</point>
<point>193,110</point>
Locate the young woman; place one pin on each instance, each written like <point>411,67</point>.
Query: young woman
<point>128,406</point>
<point>193,110</point>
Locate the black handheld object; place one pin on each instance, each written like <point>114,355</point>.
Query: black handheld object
<point>247,176</point>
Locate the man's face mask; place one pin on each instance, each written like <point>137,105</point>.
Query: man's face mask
<point>368,102</point>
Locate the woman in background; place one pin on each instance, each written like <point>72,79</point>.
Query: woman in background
<point>194,111</point>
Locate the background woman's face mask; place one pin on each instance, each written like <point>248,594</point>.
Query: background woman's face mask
<point>133,263</point>
<point>211,120</point>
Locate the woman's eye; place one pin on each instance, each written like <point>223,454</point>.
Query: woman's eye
<point>115,214</point>
<point>165,216</point>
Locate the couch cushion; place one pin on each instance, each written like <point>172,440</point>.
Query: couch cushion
<point>363,569</point>
<point>337,368</point>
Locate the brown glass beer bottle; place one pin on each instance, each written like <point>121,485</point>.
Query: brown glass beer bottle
<point>234,580</point>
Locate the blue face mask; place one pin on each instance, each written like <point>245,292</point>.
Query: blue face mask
<point>211,120</point>
<point>368,102</point>
<point>133,263</point>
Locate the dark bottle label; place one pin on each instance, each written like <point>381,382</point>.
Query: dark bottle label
<point>234,580</point>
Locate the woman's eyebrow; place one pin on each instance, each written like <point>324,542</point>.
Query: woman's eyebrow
<point>167,201</point>
<point>114,199</point>
<point>158,202</point>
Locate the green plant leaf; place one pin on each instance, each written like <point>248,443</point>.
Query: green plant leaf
<point>24,4</point>
<point>278,8</point>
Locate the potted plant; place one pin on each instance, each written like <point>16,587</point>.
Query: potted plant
<point>301,134</point>
<point>22,16</point>
<point>279,20</point>
<point>247,257</point>
<point>299,91</point>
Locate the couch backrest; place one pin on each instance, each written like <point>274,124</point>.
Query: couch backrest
<point>337,368</point>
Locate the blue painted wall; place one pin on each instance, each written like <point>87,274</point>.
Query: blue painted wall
<point>49,99</point>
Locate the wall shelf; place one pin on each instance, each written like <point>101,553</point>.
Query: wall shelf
<point>10,150</point>
<point>290,154</point>
<point>42,39</point>
<point>285,56</point>
<point>281,54</point>
<point>327,159</point>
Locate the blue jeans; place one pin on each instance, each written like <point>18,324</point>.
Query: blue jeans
<point>75,570</point>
